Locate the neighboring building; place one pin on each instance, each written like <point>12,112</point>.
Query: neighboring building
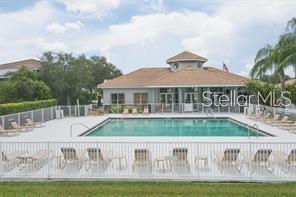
<point>178,87</point>
<point>31,64</point>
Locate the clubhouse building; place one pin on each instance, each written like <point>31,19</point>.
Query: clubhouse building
<point>183,86</point>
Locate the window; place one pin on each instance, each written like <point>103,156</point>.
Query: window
<point>175,66</point>
<point>117,98</point>
<point>140,98</point>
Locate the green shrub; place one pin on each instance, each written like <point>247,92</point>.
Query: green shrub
<point>292,90</point>
<point>117,109</point>
<point>11,108</point>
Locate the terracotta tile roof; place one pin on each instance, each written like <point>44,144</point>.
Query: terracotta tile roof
<point>200,77</point>
<point>163,77</point>
<point>186,56</point>
<point>29,63</point>
<point>140,77</point>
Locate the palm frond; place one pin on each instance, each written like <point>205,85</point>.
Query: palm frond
<point>289,61</point>
<point>263,53</point>
<point>261,67</point>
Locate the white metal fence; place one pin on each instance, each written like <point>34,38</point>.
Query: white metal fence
<point>46,114</point>
<point>242,161</point>
<point>174,108</point>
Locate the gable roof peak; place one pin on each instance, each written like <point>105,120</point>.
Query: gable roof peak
<point>186,56</point>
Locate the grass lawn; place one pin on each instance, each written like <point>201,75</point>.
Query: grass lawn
<point>145,189</point>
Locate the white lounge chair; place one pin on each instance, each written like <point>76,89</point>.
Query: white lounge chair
<point>265,117</point>
<point>15,125</point>
<point>146,110</point>
<point>36,159</point>
<point>125,111</point>
<point>29,122</point>
<point>284,120</point>
<point>9,160</point>
<point>97,156</point>
<point>272,120</point>
<point>260,158</point>
<point>257,116</point>
<point>288,125</point>
<point>181,158</point>
<point>134,110</point>
<point>70,155</point>
<point>9,132</point>
<point>286,159</point>
<point>142,159</point>
<point>227,158</point>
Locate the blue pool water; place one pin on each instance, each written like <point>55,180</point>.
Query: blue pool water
<point>172,127</point>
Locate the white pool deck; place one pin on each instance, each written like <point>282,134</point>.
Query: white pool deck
<point>58,130</point>
<point>57,134</point>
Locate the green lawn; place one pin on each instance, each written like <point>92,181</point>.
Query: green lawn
<point>145,189</point>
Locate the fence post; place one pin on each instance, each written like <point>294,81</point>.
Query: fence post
<point>85,111</point>
<point>32,116</point>
<point>49,160</point>
<point>250,150</point>
<point>42,115</point>
<point>70,111</point>
<point>51,113</point>
<point>19,118</point>
<point>3,122</point>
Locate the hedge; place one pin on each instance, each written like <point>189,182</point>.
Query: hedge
<point>11,108</point>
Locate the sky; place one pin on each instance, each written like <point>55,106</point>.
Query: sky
<point>143,33</point>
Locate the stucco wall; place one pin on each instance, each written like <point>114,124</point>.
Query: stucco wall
<point>129,94</point>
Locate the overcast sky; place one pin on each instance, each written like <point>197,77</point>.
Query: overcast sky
<point>134,34</point>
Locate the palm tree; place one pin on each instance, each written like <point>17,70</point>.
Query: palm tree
<point>276,59</point>
<point>267,60</point>
<point>287,44</point>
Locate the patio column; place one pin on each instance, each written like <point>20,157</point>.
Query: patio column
<point>154,99</point>
<point>235,95</point>
<point>180,97</point>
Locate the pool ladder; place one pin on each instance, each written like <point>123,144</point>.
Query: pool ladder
<point>255,126</point>
<point>76,124</point>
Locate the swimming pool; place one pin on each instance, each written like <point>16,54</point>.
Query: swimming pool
<point>140,127</point>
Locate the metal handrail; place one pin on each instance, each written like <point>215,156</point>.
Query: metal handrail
<point>75,124</point>
<point>254,126</point>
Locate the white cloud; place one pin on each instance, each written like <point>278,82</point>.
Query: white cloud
<point>97,8</point>
<point>52,46</point>
<point>224,34</point>
<point>232,31</point>
<point>19,29</point>
<point>57,28</point>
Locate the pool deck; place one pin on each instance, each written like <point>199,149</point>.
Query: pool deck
<point>56,134</point>
<point>58,130</point>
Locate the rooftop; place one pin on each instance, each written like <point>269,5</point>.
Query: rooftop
<point>189,74</point>
<point>29,63</point>
<point>186,56</point>
<point>159,77</point>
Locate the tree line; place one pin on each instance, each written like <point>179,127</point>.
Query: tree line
<point>61,76</point>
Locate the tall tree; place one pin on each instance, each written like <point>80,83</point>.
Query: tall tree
<point>276,59</point>
<point>72,78</point>
<point>287,45</point>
